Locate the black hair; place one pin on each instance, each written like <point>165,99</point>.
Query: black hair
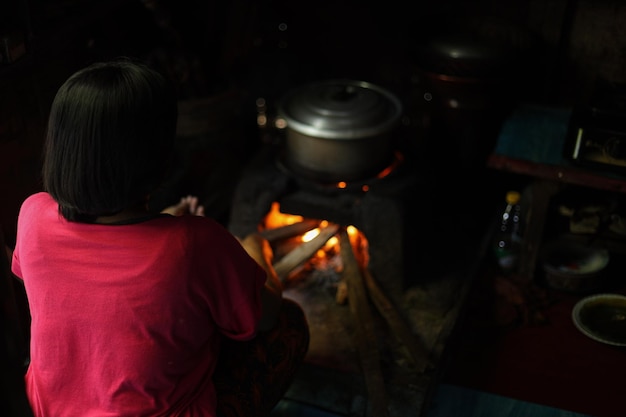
<point>111,132</point>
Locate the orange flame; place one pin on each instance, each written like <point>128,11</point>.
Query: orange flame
<point>397,161</point>
<point>382,174</point>
<point>275,218</point>
<point>360,245</point>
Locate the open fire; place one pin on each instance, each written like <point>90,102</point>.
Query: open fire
<point>269,197</point>
<point>301,244</point>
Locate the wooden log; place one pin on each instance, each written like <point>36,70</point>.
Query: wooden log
<point>365,335</point>
<point>341,296</point>
<point>303,252</point>
<point>290,230</point>
<point>410,346</point>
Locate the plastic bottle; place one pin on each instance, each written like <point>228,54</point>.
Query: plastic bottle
<point>508,236</point>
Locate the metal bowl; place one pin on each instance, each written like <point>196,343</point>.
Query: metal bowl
<point>574,267</point>
<point>602,317</point>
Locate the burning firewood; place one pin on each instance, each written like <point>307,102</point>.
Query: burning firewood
<point>290,230</point>
<point>303,252</point>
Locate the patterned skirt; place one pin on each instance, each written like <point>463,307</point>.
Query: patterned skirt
<point>251,377</point>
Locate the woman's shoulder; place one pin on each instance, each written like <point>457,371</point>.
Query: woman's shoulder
<point>39,200</point>
<point>207,229</point>
<point>38,209</point>
<point>200,223</point>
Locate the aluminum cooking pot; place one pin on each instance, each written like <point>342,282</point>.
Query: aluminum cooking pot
<point>339,130</point>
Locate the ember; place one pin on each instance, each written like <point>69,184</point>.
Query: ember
<point>297,241</point>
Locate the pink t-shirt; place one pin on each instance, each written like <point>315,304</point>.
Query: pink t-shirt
<point>126,319</point>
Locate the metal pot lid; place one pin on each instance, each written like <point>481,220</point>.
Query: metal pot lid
<point>340,109</point>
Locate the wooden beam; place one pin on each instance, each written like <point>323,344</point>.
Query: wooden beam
<point>410,346</point>
<point>365,336</point>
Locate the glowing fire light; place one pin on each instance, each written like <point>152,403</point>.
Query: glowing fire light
<point>275,218</point>
<point>390,168</point>
<point>385,172</point>
<point>382,174</point>
<point>310,235</point>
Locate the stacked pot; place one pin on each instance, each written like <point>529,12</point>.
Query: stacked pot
<point>339,130</point>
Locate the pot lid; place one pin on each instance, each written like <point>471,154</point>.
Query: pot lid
<point>340,109</point>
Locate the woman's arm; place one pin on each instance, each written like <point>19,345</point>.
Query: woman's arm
<point>259,249</point>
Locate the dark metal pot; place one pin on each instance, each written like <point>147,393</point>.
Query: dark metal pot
<point>339,130</point>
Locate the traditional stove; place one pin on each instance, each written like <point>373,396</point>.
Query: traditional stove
<point>394,211</point>
<point>380,207</point>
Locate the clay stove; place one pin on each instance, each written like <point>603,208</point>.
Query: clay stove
<point>379,207</point>
<point>390,210</point>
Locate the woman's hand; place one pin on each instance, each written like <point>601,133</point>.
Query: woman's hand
<point>187,205</point>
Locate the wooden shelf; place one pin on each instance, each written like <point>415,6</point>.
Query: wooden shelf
<point>560,173</point>
<point>531,144</point>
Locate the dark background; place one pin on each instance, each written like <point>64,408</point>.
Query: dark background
<point>551,52</point>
